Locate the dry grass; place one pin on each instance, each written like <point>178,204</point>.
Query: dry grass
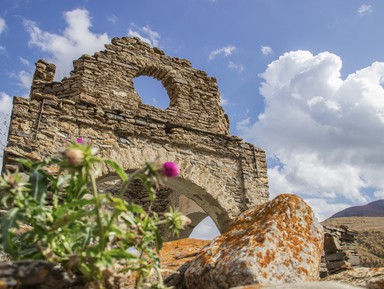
<point>358,223</point>
<point>370,239</point>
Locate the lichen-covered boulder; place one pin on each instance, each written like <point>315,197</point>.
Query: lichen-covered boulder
<point>278,242</point>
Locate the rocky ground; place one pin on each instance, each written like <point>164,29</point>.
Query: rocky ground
<point>276,245</point>
<point>370,240</point>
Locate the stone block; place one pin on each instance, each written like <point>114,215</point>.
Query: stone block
<point>331,244</point>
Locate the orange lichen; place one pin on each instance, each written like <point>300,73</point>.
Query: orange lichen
<point>280,236</point>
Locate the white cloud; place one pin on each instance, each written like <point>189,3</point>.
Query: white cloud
<point>113,18</point>
<point>2,25</point>
<point>266,50</point>
<point>239,67</point>
<point>323,209</point>
<point>5,103</point>
<point>2,28</point>
<point>145,33</point>
<point>24,61</point>
<point>25,79</point>
<point>223,101</point>
<point>323,134</point>
<point>364,9</point>
<point>379,194</point>
<point>225,51</point>
<point>5,114</point>
<point>77,39</point>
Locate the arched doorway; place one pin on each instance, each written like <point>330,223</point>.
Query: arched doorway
<point>167,197</point>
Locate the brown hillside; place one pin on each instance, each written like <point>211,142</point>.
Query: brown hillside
<point>370,239</point>
<point>358,223</point>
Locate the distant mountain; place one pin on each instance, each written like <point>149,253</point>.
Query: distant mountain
<point>373,209</point>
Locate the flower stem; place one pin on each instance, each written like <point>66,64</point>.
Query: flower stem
<point>98,214</point>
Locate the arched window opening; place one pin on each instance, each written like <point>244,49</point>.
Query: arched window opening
<point>201,227</point>
<point>151,91</point>
<point>206,230</point>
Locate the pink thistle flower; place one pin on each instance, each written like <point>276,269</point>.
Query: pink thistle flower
<point>79,140</point>
<point>170,169</point>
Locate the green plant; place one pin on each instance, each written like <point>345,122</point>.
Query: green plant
<point>70,222</point>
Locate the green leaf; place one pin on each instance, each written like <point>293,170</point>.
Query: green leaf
<point>26,162</point>
<point>68,218</point>
<point>87,238</point>
<point>39,185</point>
<point>121,254</point>
<point>119,204</point>
<point>136,209</point>
<point>158,240</point>
<point>8,222</point>
<point>118,169</point>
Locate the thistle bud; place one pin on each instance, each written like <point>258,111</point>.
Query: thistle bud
<point>185,221</point>
<point>74,156</point>
<point>170,169</point>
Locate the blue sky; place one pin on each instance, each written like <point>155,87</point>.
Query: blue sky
<point>301,79</point>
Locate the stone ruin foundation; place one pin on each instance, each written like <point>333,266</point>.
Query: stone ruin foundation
<point>340,250</point>
<point>221,175</point>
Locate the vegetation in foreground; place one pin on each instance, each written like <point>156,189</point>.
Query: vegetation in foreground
<point>92,234</point>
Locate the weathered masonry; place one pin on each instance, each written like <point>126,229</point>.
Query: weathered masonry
<point>220,174</point>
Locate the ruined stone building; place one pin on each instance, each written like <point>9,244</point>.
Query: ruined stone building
<point>221,175</point>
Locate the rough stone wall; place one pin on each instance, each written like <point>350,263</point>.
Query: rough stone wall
<point>340,250</point>
<point>219,172</point>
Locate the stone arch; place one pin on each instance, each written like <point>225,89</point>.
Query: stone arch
<point>166,198</point>
<point>220,172</point>
<point>195,183</point>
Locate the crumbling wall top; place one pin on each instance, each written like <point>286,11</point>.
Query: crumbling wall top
<point>106,80</point>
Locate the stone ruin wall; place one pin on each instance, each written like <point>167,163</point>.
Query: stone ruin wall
<point>340,250</point>
<point>220,173</point>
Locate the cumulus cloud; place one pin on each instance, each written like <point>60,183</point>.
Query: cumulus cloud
<point>379,194</point>
<point>239,67</point>
<point>323,134</point>
<point>76,39</point>
<point>2,25</point>
<point>25,79</point>
<point>364,9</point>
<point>266,50</point>
<point>145,33</point>
<point>5,103</point>
<point>5,114</point>
<point>323,209</point>
<point>225,51</point>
